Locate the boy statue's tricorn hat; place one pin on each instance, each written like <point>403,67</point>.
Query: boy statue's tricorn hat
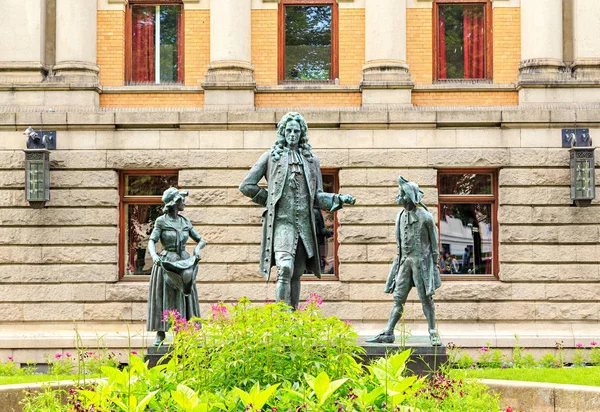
<point>412,191</point>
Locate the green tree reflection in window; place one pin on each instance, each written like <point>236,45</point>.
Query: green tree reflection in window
<point>308,42</point>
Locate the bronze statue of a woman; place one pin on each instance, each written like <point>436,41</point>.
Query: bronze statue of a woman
<point>173,277</point>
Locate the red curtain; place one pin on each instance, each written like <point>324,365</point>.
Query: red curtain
<point>441,47</point>
<point>473,42</point>
<point>142,44</point>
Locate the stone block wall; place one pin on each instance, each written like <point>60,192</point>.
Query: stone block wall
<point>58,265</point>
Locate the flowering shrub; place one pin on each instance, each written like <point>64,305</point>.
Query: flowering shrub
<point>10,368</point>
<point>61,364</point>
<point>594,353</point>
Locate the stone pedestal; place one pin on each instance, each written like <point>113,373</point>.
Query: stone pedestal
<point>424,359</point>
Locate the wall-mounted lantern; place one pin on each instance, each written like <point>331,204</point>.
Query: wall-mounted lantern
<point>37,167</point>
<point>582,165</point>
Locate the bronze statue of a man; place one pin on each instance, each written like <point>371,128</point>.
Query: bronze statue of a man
<point>416,262</point>
<point>295,188</point>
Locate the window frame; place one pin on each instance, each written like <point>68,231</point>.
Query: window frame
<point>334,72</point>
<point>336,259</point>
<point>128,39</point>
<point>135,200</point>
<point>488,57</point>
<point>468,199</point>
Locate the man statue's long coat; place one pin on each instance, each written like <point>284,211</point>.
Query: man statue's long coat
<point>275,172</point>
<point>427,251</point>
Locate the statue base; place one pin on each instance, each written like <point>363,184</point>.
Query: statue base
<point>425,359</point>
<point>155,353</point>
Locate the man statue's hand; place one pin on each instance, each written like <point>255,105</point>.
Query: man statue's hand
<point>347,199</point>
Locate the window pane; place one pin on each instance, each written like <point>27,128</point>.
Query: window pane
<point>466,184</point>
<point>139,220</point>
<point>142,44</point>
<point>461,42</point>
<point>148,185</point>
<point>466,238</point>
<point>146,49</point>
<point>169,43</point>
<point>308,42</point>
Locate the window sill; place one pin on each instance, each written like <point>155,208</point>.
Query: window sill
<point>465,86</point>
<point>462,277</point>
<point>152,88</point>
<point>307,88</point>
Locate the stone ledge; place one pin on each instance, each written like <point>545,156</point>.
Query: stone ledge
<point>544,116</point>
<point>465,86</point>
<point>307,88</point>
<point>539,396</point>
<point>149,88</point>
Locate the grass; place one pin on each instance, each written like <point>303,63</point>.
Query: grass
<point>11,380</point>
<point>588,376</point>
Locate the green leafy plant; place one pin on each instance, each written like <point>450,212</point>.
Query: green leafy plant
<point>255,399</point>
<point>578,357</point>
<point>61,364</point>
<point>47,400</point>
<point>550,361</point>
<point>594,354</point>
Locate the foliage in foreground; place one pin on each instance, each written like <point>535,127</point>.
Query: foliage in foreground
<point>247,358</point>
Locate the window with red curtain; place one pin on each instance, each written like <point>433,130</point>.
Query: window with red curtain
<point>154,43</point>
<point>463,40</point>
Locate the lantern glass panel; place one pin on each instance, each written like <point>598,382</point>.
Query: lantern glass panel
<point>37,177</point>
<point>582,174</point>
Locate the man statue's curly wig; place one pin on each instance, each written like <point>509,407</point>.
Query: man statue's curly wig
<point>280,144</point>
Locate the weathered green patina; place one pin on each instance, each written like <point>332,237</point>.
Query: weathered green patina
<point>173,277</point>
<point>415,264</point>
<point>295,188</point>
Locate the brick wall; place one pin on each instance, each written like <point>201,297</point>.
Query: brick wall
<point>352,45</point>
<point>111,47</point>
<point>308,99</point>
<point>197,46</point>
<point>146,100</point>
<point>507,44</point>
<point>264,46</point>
<point>419,44</point>
<point>465,98</point>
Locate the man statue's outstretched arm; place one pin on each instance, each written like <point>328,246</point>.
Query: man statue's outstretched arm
<point>249,186</point>
<point>329,201</point>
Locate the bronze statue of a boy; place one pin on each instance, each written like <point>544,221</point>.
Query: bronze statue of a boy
<point>416,262</point>
<point>295,188</point>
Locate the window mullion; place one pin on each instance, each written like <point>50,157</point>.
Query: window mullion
<point>157,45</point>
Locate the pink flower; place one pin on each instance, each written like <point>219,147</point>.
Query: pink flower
<point>89,353</point>
<point>579,345</point>
<point>68,355</point>
<point>593,343</point>
<point>134,352</point>
<point>57,355</point>
<point>314,300</point>
<point>484,349</point>
<point>219,311</point>
<point>10,358</point>
<point>171,315</point>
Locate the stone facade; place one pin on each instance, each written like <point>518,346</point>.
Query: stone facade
<point>59,265</point>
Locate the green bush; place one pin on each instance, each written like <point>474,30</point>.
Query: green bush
<point>253,358</point>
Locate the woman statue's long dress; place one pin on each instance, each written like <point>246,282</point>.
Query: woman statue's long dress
<point>173,277</point>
